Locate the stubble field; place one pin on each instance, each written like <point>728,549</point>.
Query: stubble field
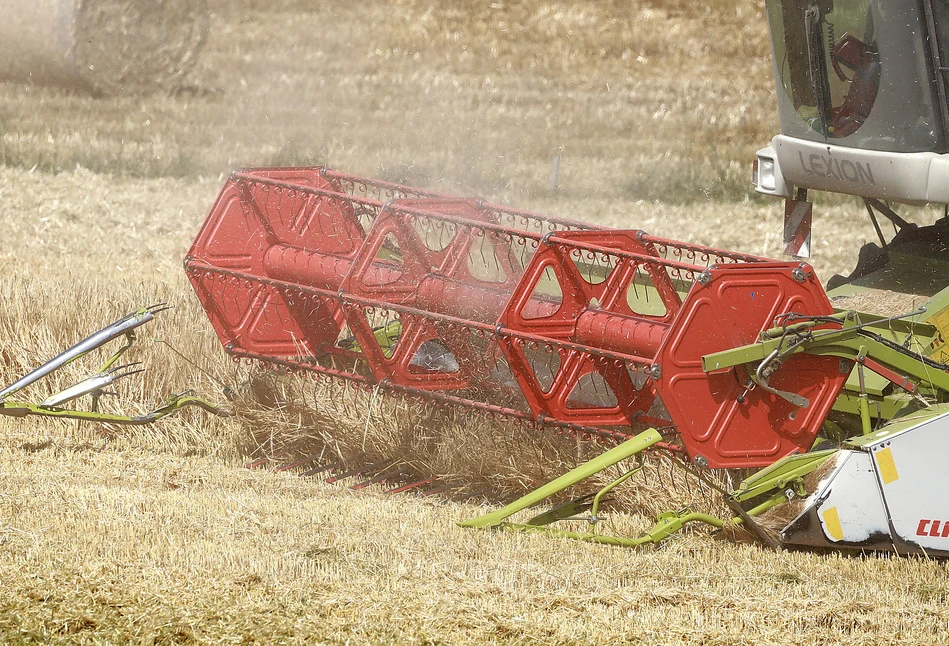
<point>157,535</point>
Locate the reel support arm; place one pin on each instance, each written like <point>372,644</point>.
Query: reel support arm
<point>854,343</point>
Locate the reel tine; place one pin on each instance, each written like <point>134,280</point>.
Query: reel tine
<point>410,486</point>
<point>253,464</point>
<point>440,489</point>
<point>259,462</point>
<point>321,469</point>
<point>115,371</point>
<point>382,477</point>
<point>356,471</point>
<point>296,464</point>
<point>158,307</point>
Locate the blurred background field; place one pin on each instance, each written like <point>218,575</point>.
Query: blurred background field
<point>655,109</point>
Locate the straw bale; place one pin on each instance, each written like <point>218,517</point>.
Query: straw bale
<point>105,47</point>
<point>124,46</point>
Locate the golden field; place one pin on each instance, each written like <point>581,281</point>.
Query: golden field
<point>158,535</point>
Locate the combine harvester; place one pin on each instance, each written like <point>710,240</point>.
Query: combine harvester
<point>722,360</point>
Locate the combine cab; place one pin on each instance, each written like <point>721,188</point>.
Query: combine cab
<point>720,359</point>
<point>862,100</point>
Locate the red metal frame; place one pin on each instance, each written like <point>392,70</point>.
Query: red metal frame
<point>728,421</point>
<point>464,302</point>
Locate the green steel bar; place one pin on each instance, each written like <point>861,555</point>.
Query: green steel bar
<point>866,425</point>
<point>579,536</point>
<point>775,500</point>
<point>174,404</point>
<point>780,474</point>
<point>667,525</point>
<point>727,359</point>
<point>625,450</point>
<point>846,344</point>
<point>778,332</point>
<point>774,479</point>
<point>671,522</point>
<point>882,407</point>
<point>129,342</point>
<point>602,492</point>
<point>912,324</point>
<point>908,366</point>
<point>759,351</point>
<point>772,502</point>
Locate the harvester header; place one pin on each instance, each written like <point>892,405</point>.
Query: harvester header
<point>723,360</point>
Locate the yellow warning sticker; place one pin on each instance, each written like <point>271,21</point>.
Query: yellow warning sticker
<point>887,466</point>
<point>938,349</point>
<point>832,524</point>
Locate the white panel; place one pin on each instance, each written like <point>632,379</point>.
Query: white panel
<point>851,497</point>
<point>904,177</point>
<point>911,468</point>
